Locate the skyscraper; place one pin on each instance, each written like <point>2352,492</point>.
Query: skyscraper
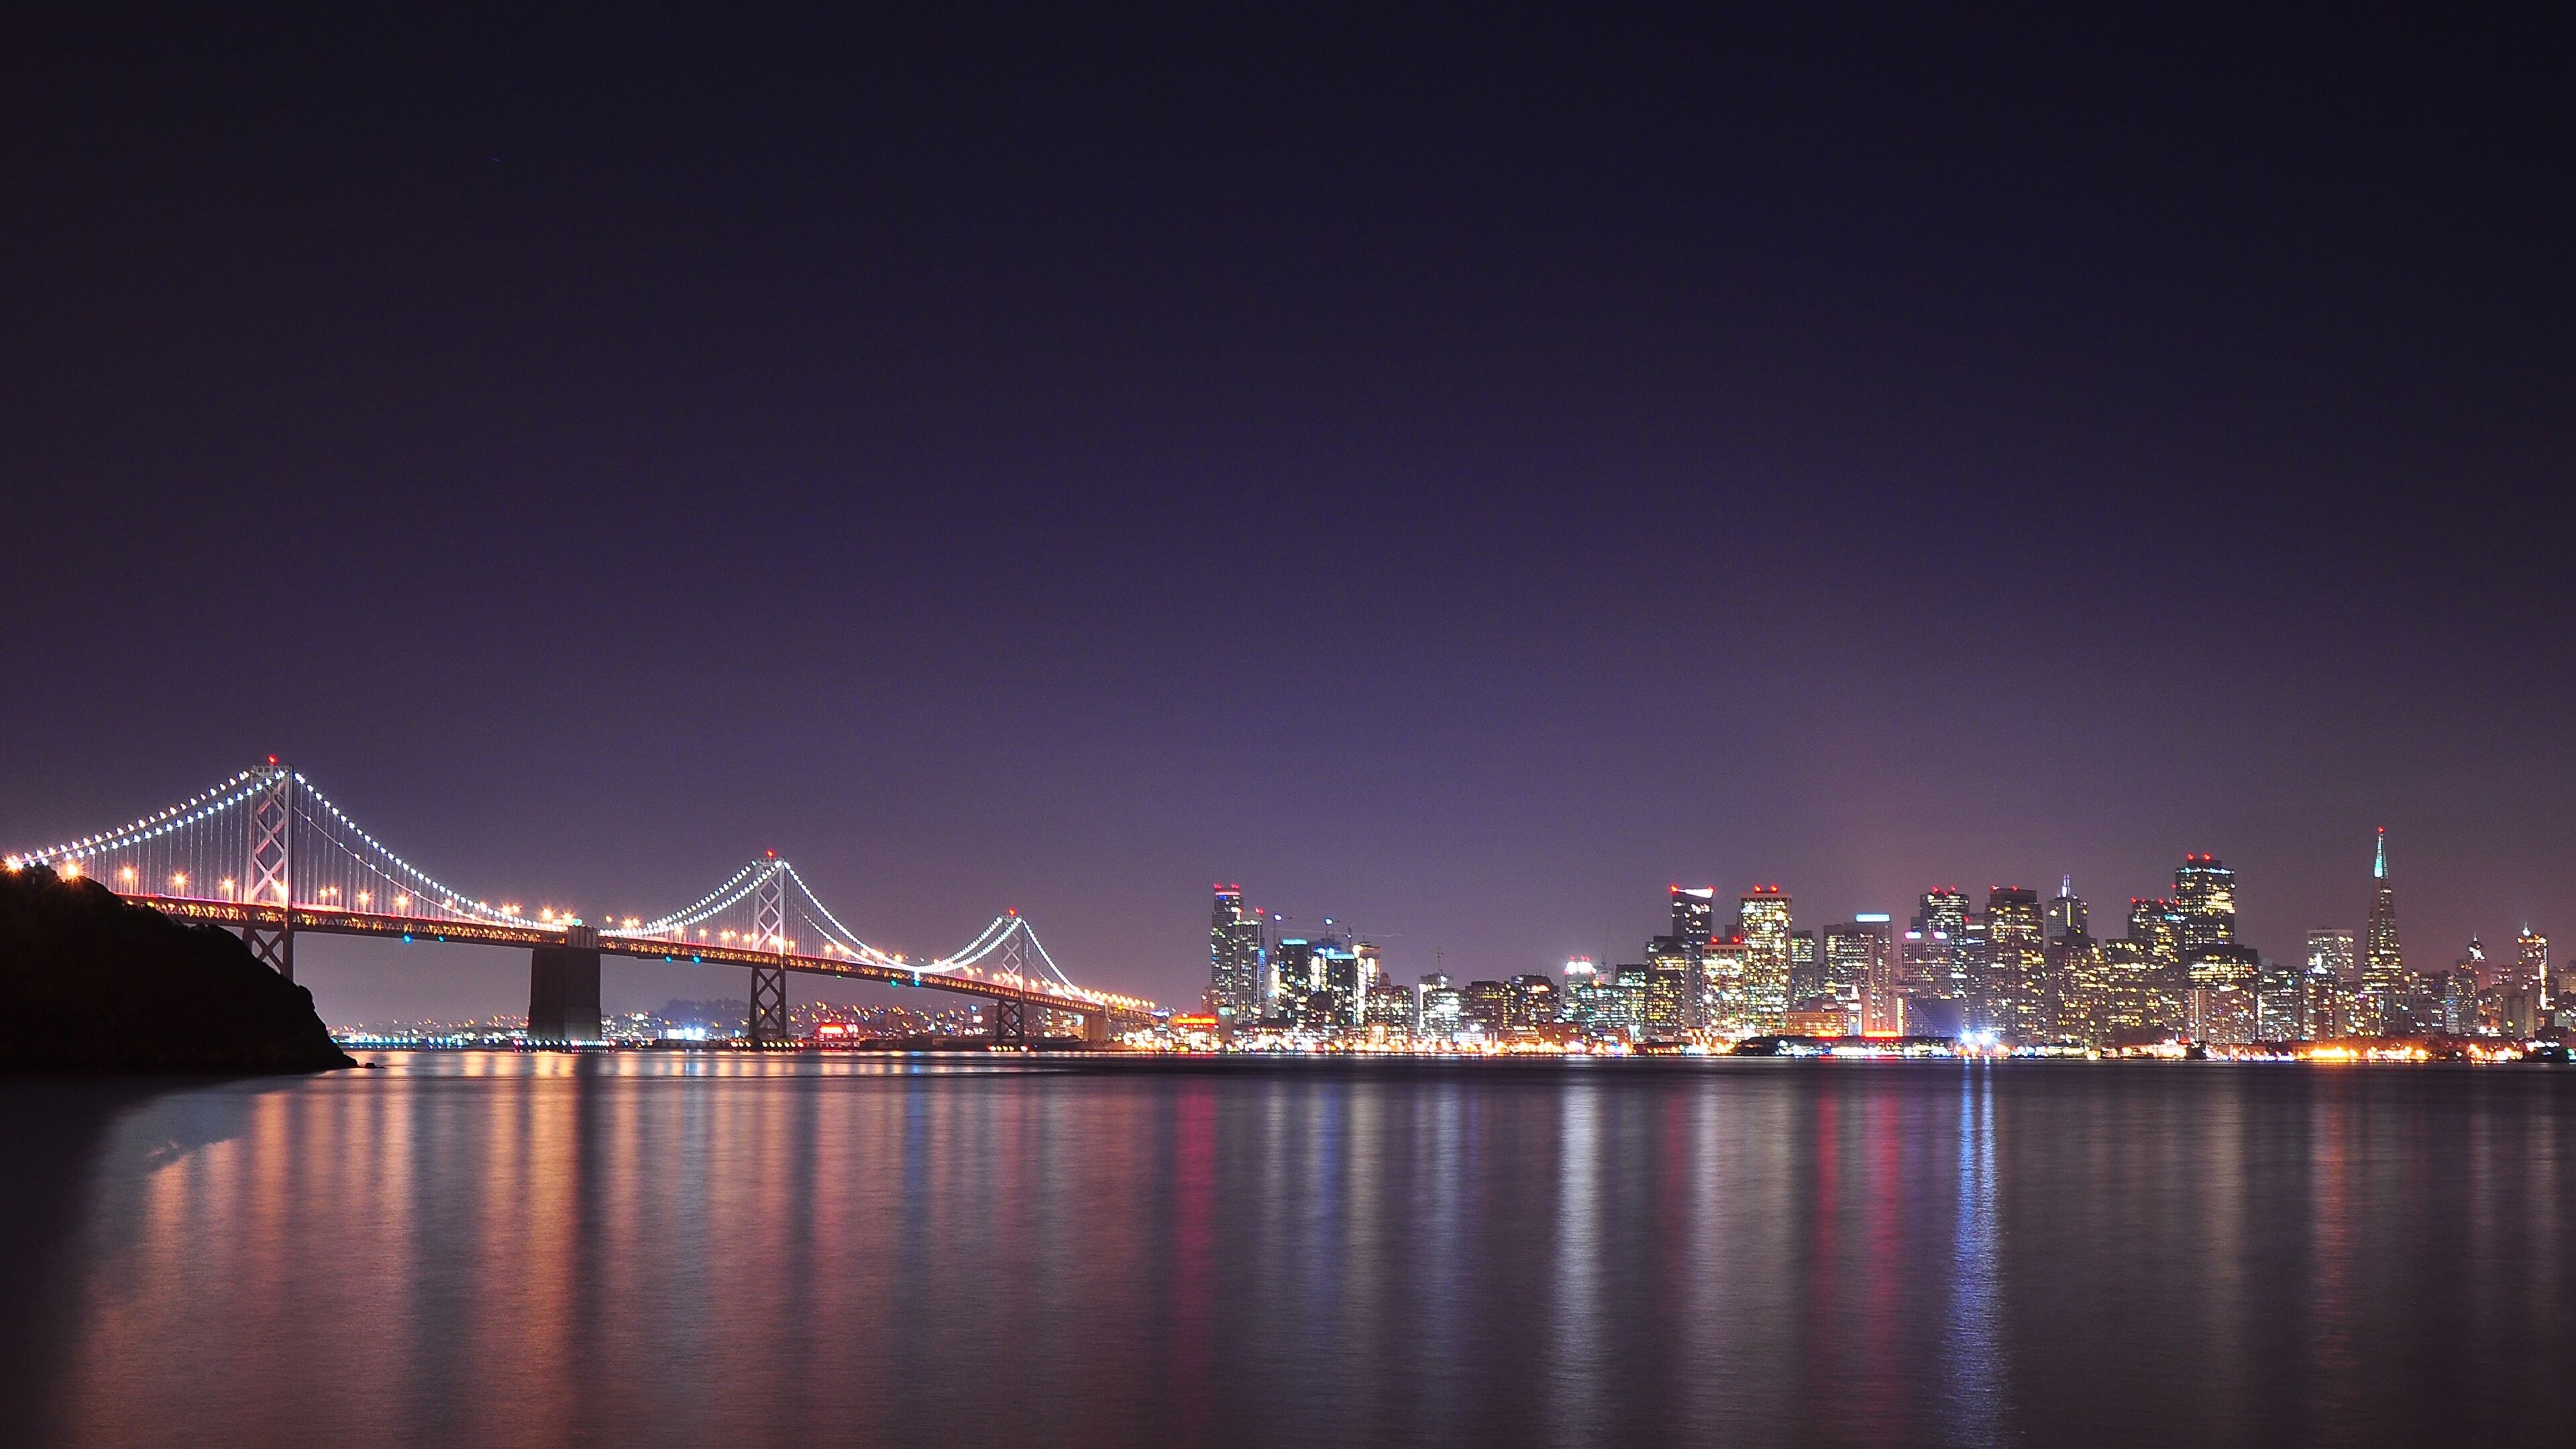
<point>1694,913</point>
<point>2205,892</point>
<point>2333,972</point>
<point>1763,921</point>
<point>1931,967</point>
<point>1235,964</point>
<point>2015,1000</point>
<point>1806,966</point>
<point>1859,961</point>
<point>2330,950</point>
<point>2067,915</point>
<point>2531,963</point>
<point>1694,916</point>
<point>2383,965</point>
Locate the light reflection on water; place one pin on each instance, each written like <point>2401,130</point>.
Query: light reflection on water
<point>693,1249</point>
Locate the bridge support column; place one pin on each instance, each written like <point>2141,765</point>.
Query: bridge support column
<point>563,988</point>
<point>1095,1028</point>
<point>769,1005</point>
<point>1010,1022</point>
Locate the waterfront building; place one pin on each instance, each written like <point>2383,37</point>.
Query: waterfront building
<point>1237,986</point>
<point>2383,964</point>
<point>2014,1001</point>
<point>1488,1008</point>
<point>2205,895</point>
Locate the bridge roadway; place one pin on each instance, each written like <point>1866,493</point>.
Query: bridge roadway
<point>1010,997</point>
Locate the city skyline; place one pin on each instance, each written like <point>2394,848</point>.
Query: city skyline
<point>1336,462</point>
<point>2018,973</point>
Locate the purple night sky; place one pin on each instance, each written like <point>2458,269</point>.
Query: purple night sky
<point>1457,481</point>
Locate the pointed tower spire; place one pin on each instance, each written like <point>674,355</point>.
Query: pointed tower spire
<point>2379,866</point>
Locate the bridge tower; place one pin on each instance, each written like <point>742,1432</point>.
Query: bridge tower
<point>1011,1013</point>
<point>769,982</point>
<point>268,877</point>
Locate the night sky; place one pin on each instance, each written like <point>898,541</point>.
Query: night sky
<point>1457,475</point>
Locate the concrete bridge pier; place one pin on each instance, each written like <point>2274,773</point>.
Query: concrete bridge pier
<point>563,988</point>
<point>1095,1028</point>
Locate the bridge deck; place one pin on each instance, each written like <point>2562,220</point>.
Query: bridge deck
<point>329,921</point>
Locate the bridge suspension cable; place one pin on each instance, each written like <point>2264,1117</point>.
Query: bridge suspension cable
<point>267,849</point>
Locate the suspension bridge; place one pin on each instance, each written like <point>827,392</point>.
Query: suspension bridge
<point>266,853</point>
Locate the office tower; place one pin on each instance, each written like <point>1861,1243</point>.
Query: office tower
<point>1859,974</point>
<point>2279,1002</point>
<point>2225,978</point>
<point>1292,979</point>
<point>1726,993</point>
<point>1670,1009</point>
<point>2325,1002</point>
<point>1340,984</point>
<point>1677,964</point>
<point>2014,1002</point>
<point>2071,976</point>
<point>1806,967</point>
<point>1390,1009</point>
<point>2333,970</point>
<point>2155,930</point>
<point>1489,1008</point>
<point>1694,912</point>
<point>1762,919</point>
<point>1922,964</point>
<point>2067,915</point>
<point>1619,1004</point>
<point>2383,964</point>
<point>2205,893</point>
<point>1932,968</point>
<point>2531,963</point>
<point>2088,1005</point>
<point>2331,950</point>
<point>2115,989</point>
<point>1534,1002</point>
<point>2457,990</point>
<point>1439,1008</point>
<point>1235,959</point>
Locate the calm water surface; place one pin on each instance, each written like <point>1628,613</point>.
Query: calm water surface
<point>463,1249</point>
